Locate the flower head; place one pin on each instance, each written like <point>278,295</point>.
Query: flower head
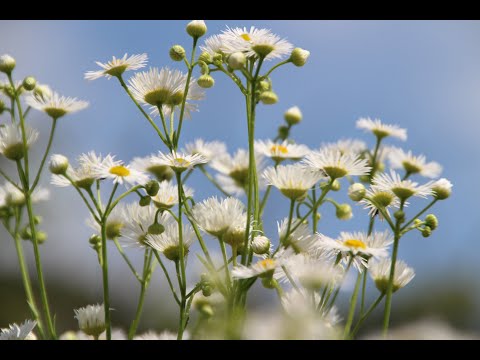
<point>335,164</point>
<point>84,174</point>
<point>352,147</point>
<point>413,164</point>
<point>120,173</point>
<point>178,162</point>
<point>380,273</point>
<point>442,189</point>
<point>14,197</point>
<point>381,130</point>
<point>281,151</point>
<point>117,67</point>
<point>19,332</point>
<point>403,189</point>
<point>262,268</point>
<point>168,242</point>
<point>146,165</point>
<point>210,150</point>
<point>11,142</point>
<point>167,195</point>
<point>91,319</point>
<point>56,105</point>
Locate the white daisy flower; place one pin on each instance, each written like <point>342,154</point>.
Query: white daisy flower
<point>11,143</point>
<point>56,105</point>
<point>293,181</point>
<point>115,223</point>
<point>403,189</point>
<point>168,242</point>
<point>352,147</point>
<point>91,319</point>
<point>177,161</point>
<point>376,197</point>
<point>358,243</point>
<point>281,151</point>
<point>137,221</point>
<point>335,164</point>
<point>380,273</point>
<point>84,174</point>
<point>442,189</point>
<point>210,150</point>
<point>262,268</point>
<point>213,45</point>
<point>164,335</point>
<point>167,195</point>
<point>165,88</point>
<point>146,165</point>
<point>381,130</point>
<point>301,239</point>
<point>311,272</point>
<point>19,332</point>
<point>255,42</point>
<point>413,164</point>
<point>215,216</point>
<point>120,173</point>
<point>234,171</point>
<point>117,67</point>
<point>15,197</point>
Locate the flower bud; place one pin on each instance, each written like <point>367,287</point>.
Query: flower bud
<point>177,53</point>
<point>299,56</point>
<point>152,187</point>
<point>261,245</point>
<point>442,189</point>
<point>205,81</point>
<point>37,219</point>
<point>293,115</point>
<point>7,64</point>
<point>356,191</point>
<point>95,240</point>
<point>268,97</point>
<point>29,83</point>
<point>417,222</point>
<point>41,237</point>
<point>344,212</point>
<point>283,132</point>
<point>431,221</point>
<point>237,60</point>
<point>335,185</point>
<point>269,283</point>
<point>205,57</point>
<point>206,290</point>
<point>58,164</point>
<point>217,59</point>
<point>427,231</point>
<point>196,28</point>
<point>144,201</point>
<point>42,91</point>
<point>264,85</point>
<point>156,229</point>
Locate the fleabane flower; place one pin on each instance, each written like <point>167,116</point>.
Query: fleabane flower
<point>263,268</point>
<point>403,189</point>
<point>255,43</point>
<point>164,335</point>
<point>300,236</point>
<point>178,162</point>
<point>91,319</point>
<point>168,242</point>
<point>11,142</point>
<point>146,165</point>
<point>335,164</point>
<point>413,164</point>
<point>380,273</point>
<point>346,146</point>
<point>293,181</point>
<point>15,197</point>
<point>84,175</point>
<point>117,66</point>
<point>115,224</point>
<point>120,173</point>
<point>233,171</point>
<point>167,195</point>
<point>215,216</point>
<point>19,332</point>
<point>210,150</point>
<point>376,198</point>
<point>55,105</point>
<point>281,151</point>
<point>213,45</point>
<point>441,189</point>
<point>381,130</point>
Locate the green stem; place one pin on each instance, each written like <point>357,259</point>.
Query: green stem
<point>353,304</point>
<point>141,299</point>
<point>374,157</point>
<point>170,284</point>
<point>10,180</point>
<point>212,179</point>
<point>106,296</point>
<point>183,284</point>
<point>225,262</point>
<point>45,155</point>
<point>164,124</point>
<point>265,198</point>
<point>367,314</point>
<point>289,277</point>
<point>314,210</point>
<point>274,67</point>
<point>127,260</point>
<point>289,225</point>
<point>418,215</point>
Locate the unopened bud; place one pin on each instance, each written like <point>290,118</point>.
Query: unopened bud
<point>237,60</point>
<point>356,191</point>
<point>261,245</point>
<point>156,229</point>
<point>196,28</point>
<point>335,185</point>
<point>299,56</point>
<point>177,53</point>
<point>152,187</point>
<point>29,83</point>
<point>205,57</point>
<point>427,231</point>
<point>268,97</point>
<point>58,164</point>
<point>144,201</point>
<point>7,64</point>
<point>344,212</point>
<point>205,81</point>
<point>293,115</point>
<point>431,221</point>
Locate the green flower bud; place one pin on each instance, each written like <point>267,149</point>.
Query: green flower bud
<point>217,59</point>
<point>237,60</point>
<point>318,216</point>
<point>442,189</point>
<point>152,187</point>
<point>427,231</point>
<point>364,178</point>
<point>299,56</point>
<point>177,53</point>
<point>205,57</point>
<point>293,115</point>
<point>356,191</point>
<point>37,219</point>
<point>41,237</point>
<point>205,81</point>
<point>417,222</point>
<point>95,240</point>
<point>196,28</point>
<point>335,185</point>
<point>344,212</point>
<point>283,132</point>
<point>207,290</point>
<point>268,97</point>
<point>431,221</point>
<point>58,164</point>
<point>29,83</point>
<point>264,85</point>
<point>261,245</point>
<point>26,234</point>
<point>7,64</point>
<point>114,229</point>
<point>156,229</point>
<point>144,201</point>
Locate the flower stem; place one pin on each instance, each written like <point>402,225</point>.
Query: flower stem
<point>212,179</point>
<point>183,278</point>
<point>45,155</point>
<point>353,304</point>
<point>367,314</point>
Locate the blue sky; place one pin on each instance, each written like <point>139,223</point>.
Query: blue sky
<point>421,75</point>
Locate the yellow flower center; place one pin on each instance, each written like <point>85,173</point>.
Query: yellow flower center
<point>246,37</point>
<point>182,162</point>
<point>354,243</point>
<point>275,149</point>
<point>119,170</point>
<point>266,263</point>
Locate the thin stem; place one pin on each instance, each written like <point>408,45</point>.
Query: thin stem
<point>225,262</point>
<point>106,296</point>
<point>97,219</point>
<point>364,289</point>
<point>314,210</point>
<point>367,314</point>
<point>10,180</point>
<point>183,280</point>
<point>108,209</point>
<point>212,179</point>
<point>289,277</point>
<point>418,215</point>
<point>374,157</point>
<point>141,298</point>
<point>289,225</point>
<point>127,260</point>
<point>353,304</point>
<point>265,198</point>
<point>274,67</point>
<point>141,110</point>
<point>45,155</point>
<point>164,124</point>
<point>170,284</point>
